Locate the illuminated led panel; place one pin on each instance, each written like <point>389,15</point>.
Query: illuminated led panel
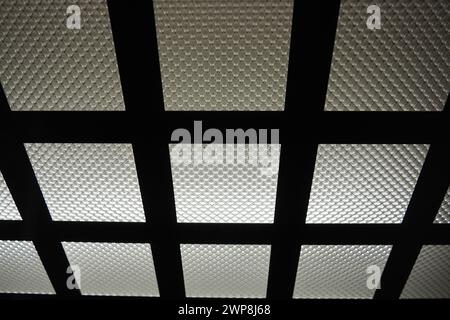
<point>231,271</point>
<point>364,183</point>
<point>403,66</point>
<point>46,66</point>
<point>88,182</point>
<point>8,209</point>
<point>443,215</point>
<point>430,277</point>
<point>223,55</point>
<point>233,184</point>
<point>21,270</point>
<point>338,271</point>
<point>119,269</point>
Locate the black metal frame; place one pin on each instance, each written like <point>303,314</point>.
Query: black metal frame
<point>303,125</point>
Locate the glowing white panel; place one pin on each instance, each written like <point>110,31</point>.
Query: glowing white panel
<point>46,66</point>
<point>8,209</point>
<point>235,187</point>
<point>88,182</point>
<point>224,55</point>
<point>402,66</point>
<point>338,271</point>
<point>117,269</point>
<point>231,271</point>
<point>369,183</point>
<point>430,277</point>
<point>443,215</point>
<point>21,269</point>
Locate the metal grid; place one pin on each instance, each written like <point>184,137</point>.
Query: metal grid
<point>313,33</point>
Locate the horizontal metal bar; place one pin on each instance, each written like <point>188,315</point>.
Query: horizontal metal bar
<point>128,127</point>
<point>231,233</point>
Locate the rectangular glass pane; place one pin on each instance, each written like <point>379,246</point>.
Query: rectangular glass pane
<point>339,271</point>
<point>225,183</point>
<point>223,55</point>
<point>231,271</point>
<point>360,183</point>
<point>430,277</point>
<point>402,66</point>
<point>88,182</point>
<point>21,269</point>
<point>122,269</point>
<point>48,66</point>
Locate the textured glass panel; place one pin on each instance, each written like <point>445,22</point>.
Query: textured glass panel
<point>231,271</point>
<point>338,271</point>
<point>88,182</point>
<point>8,209</point>
<point>122,269</point>
<point>237,184</point>
<point>430,277</point>
<point>403,66</point>
<point>443,215</point>
<point>46,66</point>
<point>364,183</point>
<point>21,269</point>
<point>223,55</point>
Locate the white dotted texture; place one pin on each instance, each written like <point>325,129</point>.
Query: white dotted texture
<point>88,182</point>
<point>337,271</point>
<point>21,270</point>
<point>114,269</point>
<point>364,183</point>
<point>223,55</point>
<point>8,209</point>
<point>403,66</point>
<point>237,184</point>
<point>443,215</point>
<point>44,66</point>
<point>225,271</point>
<point>430,277</point>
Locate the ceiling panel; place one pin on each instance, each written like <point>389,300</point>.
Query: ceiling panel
<point>430,277</point>
<point>338,271</point>
<point>443,215</point>
<point>223,55</point>
<point>8,209</point>
<point>225,184</point>
<point>356,183</point>
<point>403,66</point>
<point>88,182</point>
<point>230,271</point>
<point>119,269</point>
<point>21,270</point>
<point>46,66</point>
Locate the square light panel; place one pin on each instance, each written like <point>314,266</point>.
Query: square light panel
<point>88,182</point>
<point>223,55</point>
<point>227,271</point>
<point>116,269</point>
<point>364,183</point>
<point>339,271</point>
<point>225,183</point>
<point>402,66</point>
<point>21,269</point>
<point>8,209</point>
<point>430,277</point>
<point>47,63</point>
